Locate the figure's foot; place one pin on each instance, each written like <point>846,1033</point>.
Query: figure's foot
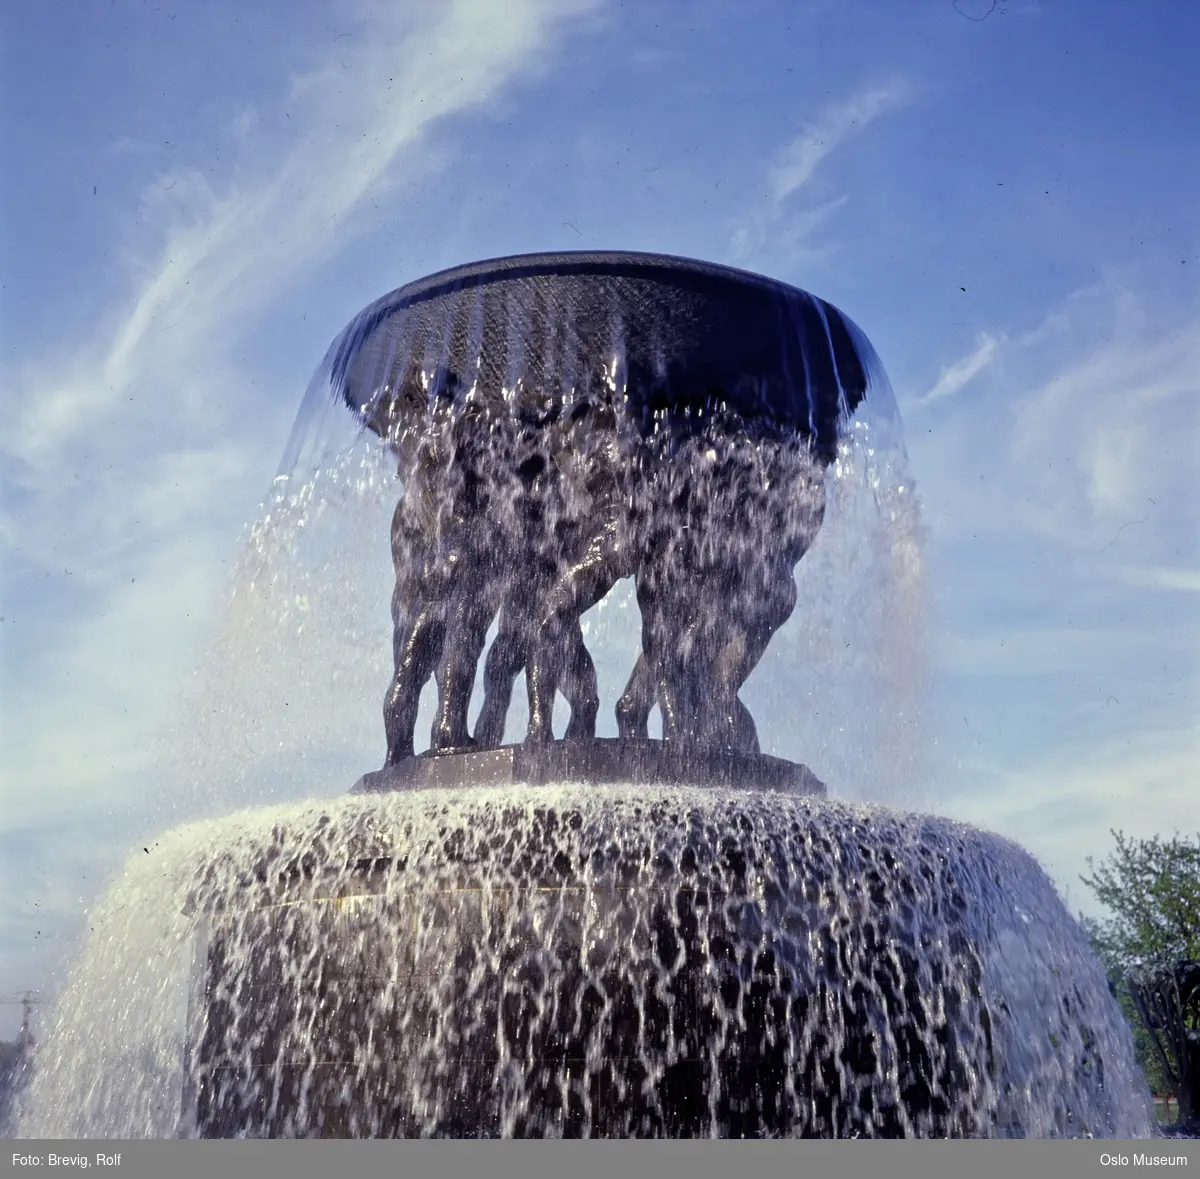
<point>582,725</point>
<point>489,730</point>
<point>632,723</point>
<point>398,754</point>
<point>450,741</point>
<point>745,738</point>
<point>539,733</point>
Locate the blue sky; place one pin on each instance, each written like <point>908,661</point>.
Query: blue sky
<point>196,198</point>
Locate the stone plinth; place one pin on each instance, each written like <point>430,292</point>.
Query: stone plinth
<point>597,762</point>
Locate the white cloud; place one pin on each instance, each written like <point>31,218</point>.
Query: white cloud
<point>1112,434</point>
<point>787,232</point>
<point>132,457</point>
<point>1161,578</point>
<point>795,164</point>
<point>234,249</point>
<point>84,716</point>
<point>1066,540</point>
<point>145,433</point>
<point>1062,808</point>
<point>1084,435</point>
<point>1042,651</point>
<point>955,376</point>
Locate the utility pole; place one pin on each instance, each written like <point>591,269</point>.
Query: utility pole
<point>27,1000</point>
<point>25,1039</point>
<point>16,1060</point>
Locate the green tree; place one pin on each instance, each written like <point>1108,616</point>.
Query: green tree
<point>1151,889</point>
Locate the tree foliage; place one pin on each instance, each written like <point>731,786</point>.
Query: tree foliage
<point>1151,889</point>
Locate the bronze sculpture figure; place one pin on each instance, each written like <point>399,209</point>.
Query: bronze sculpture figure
<point>623,416</point>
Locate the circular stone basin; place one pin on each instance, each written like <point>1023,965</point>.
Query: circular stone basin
<point>623,962</point>
<point>678,337</point>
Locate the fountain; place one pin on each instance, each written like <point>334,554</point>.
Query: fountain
<point>627,936</point>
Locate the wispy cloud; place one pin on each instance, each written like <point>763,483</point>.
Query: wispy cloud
<point>1065,524</point>
<point>955,376</point>
<point>227,252</point>
<point>786,229</point>
<point>1042,650</point>
<point>1063,807</point>
<point>132,456</point>
<point>1084,435</point>
<point>1108,437</point>
<point>141,440</point>
<point>1161,577</point>
<point>796,163</point>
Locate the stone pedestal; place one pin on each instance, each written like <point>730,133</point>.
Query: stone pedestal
<point>597,762</point>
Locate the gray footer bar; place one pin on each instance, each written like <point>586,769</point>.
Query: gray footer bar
<point>599,1160</point>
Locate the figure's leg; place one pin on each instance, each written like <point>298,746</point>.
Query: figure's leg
<point>723,719</point>
<point>542,675</point>
<point>682,635</point>
<point>774,604</point>
<point>726,722</point>
<point>405,607</point>
<point>416,635</point>
<point>473,605</point>
<point>745,734</point>
<point>576,592</point>
<point>664,635</point>
<point>417,654</point>
<point>633,709</point>
<point>578,684</point>
<point>709,708</point>
<point>505,660</point>
<point>673,689</point>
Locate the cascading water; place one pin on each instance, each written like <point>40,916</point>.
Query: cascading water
<point>865,973</point>
<point>593,958</point>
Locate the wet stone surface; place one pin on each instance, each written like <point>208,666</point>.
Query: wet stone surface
<point>591,962</point>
